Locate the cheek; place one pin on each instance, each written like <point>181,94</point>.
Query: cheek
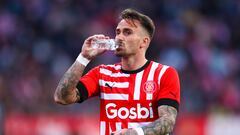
<point>133,42</point>
<point>135,45</point>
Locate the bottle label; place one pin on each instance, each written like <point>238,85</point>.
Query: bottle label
<point>104,43</point>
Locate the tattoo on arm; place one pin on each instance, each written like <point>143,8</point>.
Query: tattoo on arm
<point>66,91</point>
<point>131,132</point>
<point>164,124</point>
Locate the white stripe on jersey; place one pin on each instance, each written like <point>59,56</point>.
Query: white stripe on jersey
<point>114,96</point>
<point>116,67</point>
<point>137,124</point>
<point>137,87</point>
<point>102,128</point>
<point>164,68</point>
<point>109,73</point>
<point>151,77</point>
<point>118,126</point>
<point>113,84</point>
<point>110,129</point>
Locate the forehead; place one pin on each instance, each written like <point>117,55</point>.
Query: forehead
<point>126,23</point>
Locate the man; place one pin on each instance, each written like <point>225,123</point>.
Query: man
<point>138,96</point>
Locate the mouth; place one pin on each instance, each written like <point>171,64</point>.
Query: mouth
<point>119,44</point>
<point>119,47</point>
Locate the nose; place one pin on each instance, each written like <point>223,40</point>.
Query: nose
<point>119,37</point>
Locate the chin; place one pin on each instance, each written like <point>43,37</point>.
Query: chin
<point>119,55</point>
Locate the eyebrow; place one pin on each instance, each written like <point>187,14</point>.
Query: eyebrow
<point>117,29</point>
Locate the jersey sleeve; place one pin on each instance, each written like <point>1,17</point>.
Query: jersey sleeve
<point>169,93</point>
<point>88,84</point>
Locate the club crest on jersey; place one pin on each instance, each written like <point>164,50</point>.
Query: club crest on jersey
<point>150,87</point>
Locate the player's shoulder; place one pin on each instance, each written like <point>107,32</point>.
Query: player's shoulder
<point>165,68</point>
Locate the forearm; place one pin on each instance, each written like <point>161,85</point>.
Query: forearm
<point>164,124</point>
<point>161,126</point>
<point>66,92</point>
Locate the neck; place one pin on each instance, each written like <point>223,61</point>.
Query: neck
<point>133,63</point>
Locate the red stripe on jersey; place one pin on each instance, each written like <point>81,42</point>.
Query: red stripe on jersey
<point>107,128</point>
<point>112,126</point>
<point>114,90</point>
<point>124,125</point>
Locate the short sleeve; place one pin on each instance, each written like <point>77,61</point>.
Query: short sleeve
<point>90,82</point>
<point>169,93</point>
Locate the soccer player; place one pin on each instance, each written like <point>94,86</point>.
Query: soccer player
<point>137,96</point>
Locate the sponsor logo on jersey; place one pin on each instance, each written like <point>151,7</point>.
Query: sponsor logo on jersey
<point>137,112</point>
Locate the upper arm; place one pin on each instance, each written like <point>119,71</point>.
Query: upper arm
<point>88,85</point>
<point>169,90</point>
<point>169,96</point>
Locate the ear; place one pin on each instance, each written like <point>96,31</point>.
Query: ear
<point>145,42</point>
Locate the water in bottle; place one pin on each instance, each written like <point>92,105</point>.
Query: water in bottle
<point>109,44</point>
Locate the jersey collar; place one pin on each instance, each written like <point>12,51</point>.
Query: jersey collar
<point>137,70</point>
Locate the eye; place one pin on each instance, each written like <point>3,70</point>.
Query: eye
<point>117,32</point>
<point>127,32</point>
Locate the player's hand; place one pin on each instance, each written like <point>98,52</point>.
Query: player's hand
<point>89,52</point>
<point>125,132</point>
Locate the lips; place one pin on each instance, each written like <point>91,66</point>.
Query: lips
<point>119,45</point>
<point>119,42</point>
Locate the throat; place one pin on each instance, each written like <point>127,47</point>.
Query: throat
<point>129,67</point>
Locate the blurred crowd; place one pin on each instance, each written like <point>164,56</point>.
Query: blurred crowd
<point>40,39</point>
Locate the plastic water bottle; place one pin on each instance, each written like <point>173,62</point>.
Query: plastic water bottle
<point>109,44</point>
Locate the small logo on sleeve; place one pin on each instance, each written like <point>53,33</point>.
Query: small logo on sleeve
<point>150,87</point>
<point>109,86</point>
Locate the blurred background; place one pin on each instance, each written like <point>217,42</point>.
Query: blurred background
<point>40,39</point>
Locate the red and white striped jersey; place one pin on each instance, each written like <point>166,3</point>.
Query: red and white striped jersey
<point>130,99</point>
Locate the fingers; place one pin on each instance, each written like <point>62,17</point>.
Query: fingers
<point>89,40</point>
<point>100,36</point>
<point>97,36</point>
<point>88,51</point>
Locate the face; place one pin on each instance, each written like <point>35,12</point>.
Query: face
<point>130,36</point>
